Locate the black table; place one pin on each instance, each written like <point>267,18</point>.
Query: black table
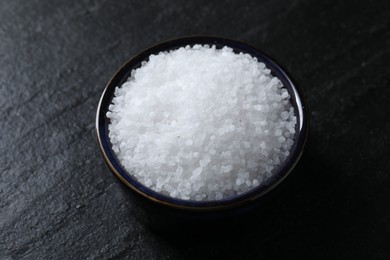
<point>57,198</point>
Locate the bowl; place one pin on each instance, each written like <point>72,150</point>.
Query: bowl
<point>148,198</point>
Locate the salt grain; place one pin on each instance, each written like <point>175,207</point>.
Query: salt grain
<point>201,123</point>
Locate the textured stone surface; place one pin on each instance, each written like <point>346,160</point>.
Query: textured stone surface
<point>58,200</point>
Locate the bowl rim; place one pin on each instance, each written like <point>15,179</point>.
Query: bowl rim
<point>230,202</point>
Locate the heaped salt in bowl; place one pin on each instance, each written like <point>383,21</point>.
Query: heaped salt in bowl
<point>201,123</point>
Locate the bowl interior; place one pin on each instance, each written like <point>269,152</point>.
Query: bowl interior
<point>124,73</point>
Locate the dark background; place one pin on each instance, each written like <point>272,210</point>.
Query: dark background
<point>57,198</point>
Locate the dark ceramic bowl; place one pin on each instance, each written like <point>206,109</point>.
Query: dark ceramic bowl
<point>236,203</point>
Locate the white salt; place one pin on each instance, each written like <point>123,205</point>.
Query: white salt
<point>200,123</point>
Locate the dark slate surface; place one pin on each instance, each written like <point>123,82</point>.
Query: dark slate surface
<point>58,200</point>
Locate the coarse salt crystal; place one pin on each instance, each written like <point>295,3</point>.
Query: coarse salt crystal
<point>201,123</point>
